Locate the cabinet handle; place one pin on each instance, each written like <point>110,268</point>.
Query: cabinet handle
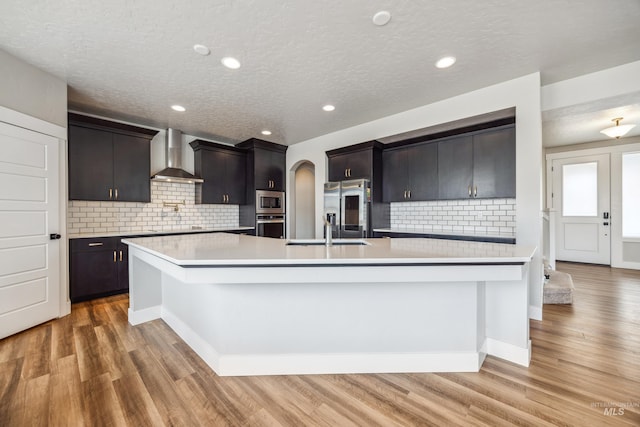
<point>475,191</point>
<point>469,191</point>
<point>114,256</point>
<point>116,194</point>
<point>111,193</point>
<point>120,256</point>
<point>404,196</point>
<point>95,244</point>
<point>349,172</point>
<point>409,192</point>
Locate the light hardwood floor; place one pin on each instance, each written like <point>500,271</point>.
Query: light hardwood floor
<point>92,368</point>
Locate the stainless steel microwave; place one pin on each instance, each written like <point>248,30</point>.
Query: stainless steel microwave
<point>270,202</point>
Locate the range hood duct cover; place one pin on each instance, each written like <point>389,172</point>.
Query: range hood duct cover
<point>173,155</point>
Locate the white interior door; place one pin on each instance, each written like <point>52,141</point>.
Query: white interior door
<point>582,201</point>
<point>29,259</point>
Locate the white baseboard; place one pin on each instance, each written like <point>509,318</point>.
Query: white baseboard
<point>510,352</point>
<point>535,313</point>
<point>145,315</point>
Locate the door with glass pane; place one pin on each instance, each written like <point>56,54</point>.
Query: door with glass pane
<point>581,200</point>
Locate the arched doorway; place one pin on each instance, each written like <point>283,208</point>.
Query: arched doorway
<point>302,224</point>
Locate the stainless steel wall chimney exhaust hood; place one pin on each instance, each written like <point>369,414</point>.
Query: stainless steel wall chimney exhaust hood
<point>173,155</point>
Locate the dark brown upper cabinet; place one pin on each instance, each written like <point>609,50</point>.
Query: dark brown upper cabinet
<point>108,161</point>
<point>410,173</point>
<point>223,169</point>
<point>360,161</point>
<point>266,165</point>
<point>481,165</point>
<point>494,163</point>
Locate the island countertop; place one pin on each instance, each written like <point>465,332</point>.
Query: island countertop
<point>223,249</point>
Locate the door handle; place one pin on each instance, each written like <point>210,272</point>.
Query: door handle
<point>605,223</point>
<point>605,215</point>
<point>54,236</point>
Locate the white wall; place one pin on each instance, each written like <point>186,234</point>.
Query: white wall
<point>29,90</point>
<point>522,93</point>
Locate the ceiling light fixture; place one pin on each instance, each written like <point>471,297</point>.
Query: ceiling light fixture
<point>446,62</point>
<point>617,131</point>
<point>381,18</point>
<point>266,132</point>
<point>179,108</point>
<point>230,62</point>
<point>328,107</point>
<point>201,49</point>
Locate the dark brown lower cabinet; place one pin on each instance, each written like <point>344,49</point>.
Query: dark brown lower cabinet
<point>98,267</point>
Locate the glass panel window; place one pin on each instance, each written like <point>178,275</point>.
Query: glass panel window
<point>631,195</point>
<point>580,189</point>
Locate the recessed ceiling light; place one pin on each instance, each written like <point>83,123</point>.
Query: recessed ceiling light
<point>230,62</point>
<point>381,18</point>
<point>266,132</point>
<point>328,107</point>
<point>201,49</point>
<point>179,108</point>
<point>446,62</point>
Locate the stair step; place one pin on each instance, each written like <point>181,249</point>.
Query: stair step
<point>558,289</point>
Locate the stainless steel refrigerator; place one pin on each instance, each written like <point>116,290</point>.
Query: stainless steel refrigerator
<point>347,206</point>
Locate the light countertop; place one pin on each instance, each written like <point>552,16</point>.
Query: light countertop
<point>225,249</point>
<point>152,232</point>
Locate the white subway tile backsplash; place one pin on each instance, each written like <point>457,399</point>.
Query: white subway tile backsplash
<point>98,217</point>
<point>476,216</point>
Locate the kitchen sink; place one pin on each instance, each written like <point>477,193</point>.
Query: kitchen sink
<point>336,242</point>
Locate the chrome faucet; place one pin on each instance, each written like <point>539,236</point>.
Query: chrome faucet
<point>328,233</point>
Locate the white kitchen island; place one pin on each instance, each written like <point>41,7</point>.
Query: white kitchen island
<point>257,306</point>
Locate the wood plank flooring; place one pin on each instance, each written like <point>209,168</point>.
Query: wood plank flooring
<point>92,368</point>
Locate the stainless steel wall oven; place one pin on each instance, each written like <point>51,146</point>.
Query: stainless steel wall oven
<point>270,214</point>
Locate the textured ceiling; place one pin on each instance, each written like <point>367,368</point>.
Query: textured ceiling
<point>131,60</point>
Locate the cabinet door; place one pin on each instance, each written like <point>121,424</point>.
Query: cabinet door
<point>338,167</point>
<point>359,164</point>
<point>422,165</point>
<point>494,163</point>
<point>123,266</point>
<point>269,170</point>
<point>213,173</point>
<point>234,180</point>
<point>90,164</point>
<point>455,168</point>
<point>93,273</point>
<point>131,168</point>
<point>394,175</point>
<point>277,166</point>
